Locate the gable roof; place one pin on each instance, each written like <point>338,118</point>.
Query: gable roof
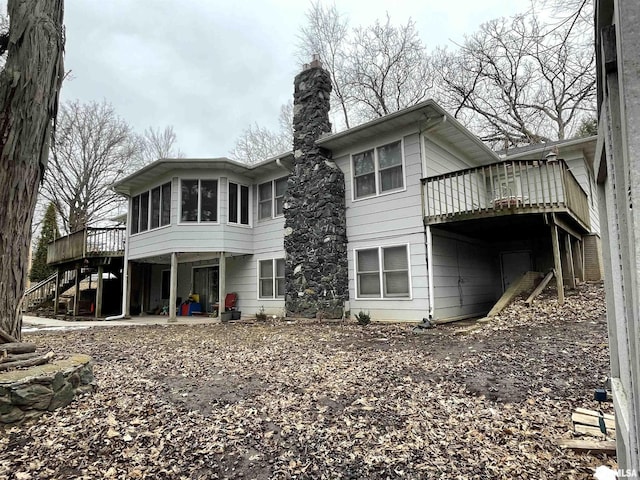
<point>425,116</point>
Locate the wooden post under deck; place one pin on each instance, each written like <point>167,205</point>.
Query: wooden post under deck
<point>173,287</point>
<point>76,293</point>
<point>99,292</point>
<point>56,294</point>
<point>577,259</point>
<point>557,262</point>
<point>569,257</point>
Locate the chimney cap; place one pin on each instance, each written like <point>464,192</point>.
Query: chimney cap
<point>315,62</point>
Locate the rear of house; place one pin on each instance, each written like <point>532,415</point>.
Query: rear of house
<point>438,225</point>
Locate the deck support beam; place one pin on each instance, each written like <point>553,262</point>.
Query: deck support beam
<point>76,293</point>
<point>173,287</point>
<point>56,292</point>
<point>569,257</point>
<point>99,291</point>
<point>127,270</point>
<point>578,260</point>
<point>557,260</point>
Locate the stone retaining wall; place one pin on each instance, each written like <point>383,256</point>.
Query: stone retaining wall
<point>28,393</point>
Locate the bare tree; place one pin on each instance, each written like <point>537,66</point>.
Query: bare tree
<point>517,81</point>
<point>326,34</point>
<point>389,68</point>
<point>29,89</point>
<point>156,143</point>
<point>92,149</point>
<point>259,143</point>
<point>374,70</point>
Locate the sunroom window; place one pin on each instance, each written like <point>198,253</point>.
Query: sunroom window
<point>151,209</point>
<point>238,204</point>
<point>199,201</point>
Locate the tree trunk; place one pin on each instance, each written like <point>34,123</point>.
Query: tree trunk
<point>29,89</point>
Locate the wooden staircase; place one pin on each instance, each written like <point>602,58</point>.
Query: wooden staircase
<point>38,295</point>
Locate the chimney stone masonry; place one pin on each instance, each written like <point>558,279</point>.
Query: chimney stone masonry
<point>315,238</point>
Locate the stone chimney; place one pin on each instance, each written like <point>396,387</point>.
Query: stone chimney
<point>315,238</point>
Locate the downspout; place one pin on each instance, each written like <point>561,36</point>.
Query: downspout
<point>125,271</point>
<point>427,228</point>
<point>427,232</point>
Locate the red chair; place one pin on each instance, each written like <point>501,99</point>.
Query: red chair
<point>230,301</point>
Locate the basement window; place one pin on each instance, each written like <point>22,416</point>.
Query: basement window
<point>383,272</point>
<point>378,171</point>
<point>271,278</point>
<point>199,201</point>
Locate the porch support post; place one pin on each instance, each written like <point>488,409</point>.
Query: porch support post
<point>76,293</point>
<point>557,261</point>
<point>127,270</point>
<point>173,287</point>
<point>569,256</point>
<point>56,292</point>
<point>142,269</point>
<point>99,292</point>
<point>222,284</point>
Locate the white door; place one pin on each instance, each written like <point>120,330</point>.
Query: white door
<point>514,265</point>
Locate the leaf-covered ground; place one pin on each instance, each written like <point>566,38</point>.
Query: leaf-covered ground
<point>325,401</point>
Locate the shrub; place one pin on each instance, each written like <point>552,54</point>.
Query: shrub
<point>363,318</point>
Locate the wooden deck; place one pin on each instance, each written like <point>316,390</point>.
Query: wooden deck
<point>87,243</point>
<point>505,188</point>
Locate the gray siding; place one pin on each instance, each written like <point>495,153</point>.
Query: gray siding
<point>465,276</point>
<point>389,219</point>
<point>194,237</point>
<point>441,159</point>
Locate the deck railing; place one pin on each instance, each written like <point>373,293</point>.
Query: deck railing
<point>88,242</point>
<point>512,186</point>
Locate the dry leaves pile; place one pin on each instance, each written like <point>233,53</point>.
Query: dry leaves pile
<point>313,400</point>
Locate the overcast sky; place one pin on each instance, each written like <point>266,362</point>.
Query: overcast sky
<point>211,68</point>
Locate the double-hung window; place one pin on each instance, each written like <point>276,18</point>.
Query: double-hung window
<point>199,201</point>
<point>151,209</point>
<point>378,170</point>
<point>238,204</point>
<point>271,278</point>
<point>271,198</point>
<point>383,272</point>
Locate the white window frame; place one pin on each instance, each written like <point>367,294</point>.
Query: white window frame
<point>149,209</point>
<point>272,200</point>
<point>199,221</point>
<point>381,273</point>
<point>274,278</point>
<point>377,171</point>
<point>239,212</point>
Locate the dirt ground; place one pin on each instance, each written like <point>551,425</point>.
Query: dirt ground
<point>326,401</point>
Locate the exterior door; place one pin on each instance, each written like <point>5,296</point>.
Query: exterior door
<point>514,265</point>
<point>205,284</point>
